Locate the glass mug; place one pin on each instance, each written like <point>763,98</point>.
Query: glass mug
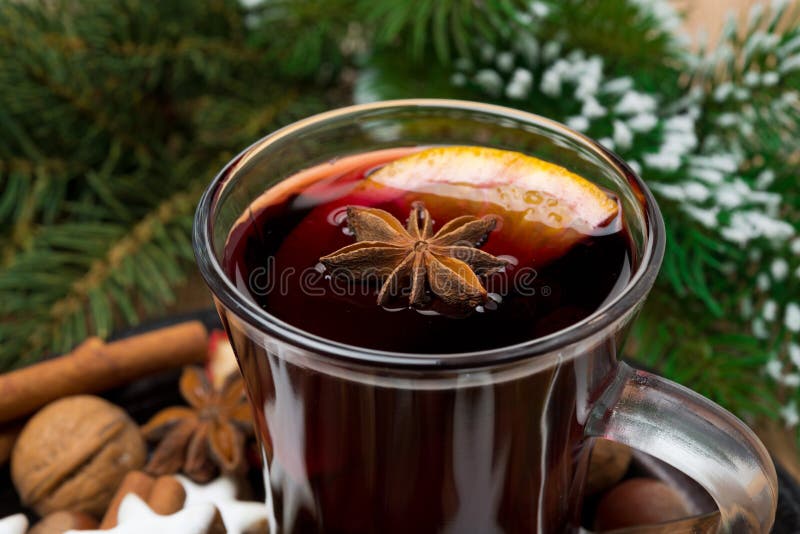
<point>357,440</point>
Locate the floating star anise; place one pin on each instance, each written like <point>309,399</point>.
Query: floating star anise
<point>206,437</point>
<point>448,261</point>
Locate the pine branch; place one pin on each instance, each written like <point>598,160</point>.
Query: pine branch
<point>30,192</point>
<point>749,83</point>
<point>387,76</point>
<point>738,190</point>
<point>509,66</point>
<point>636,38</point>
<point>78,276</point>
<point>725,366</point>
<point>115,114</point>
<point>304,38</point>
<point>443,29</point>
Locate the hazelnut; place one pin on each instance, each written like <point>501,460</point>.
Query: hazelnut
<point>607,466</point>
<point>637,502</point>
<point>73,454</point>
<point>63,521</point>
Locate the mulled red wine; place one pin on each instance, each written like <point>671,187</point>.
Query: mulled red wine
<point>356,449</point>
<point>274,257</point>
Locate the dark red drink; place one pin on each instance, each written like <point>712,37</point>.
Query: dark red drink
<point>357,456</point>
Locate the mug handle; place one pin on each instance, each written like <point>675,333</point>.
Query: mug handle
<point>696,436</point>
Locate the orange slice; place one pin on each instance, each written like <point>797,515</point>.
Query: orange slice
<point>545,208</point>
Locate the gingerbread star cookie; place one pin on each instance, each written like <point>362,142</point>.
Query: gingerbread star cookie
<point>135,517</point>
<point>240,517</point>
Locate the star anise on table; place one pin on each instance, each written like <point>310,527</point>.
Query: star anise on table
<point>447,261</point>
<point>206,437</point>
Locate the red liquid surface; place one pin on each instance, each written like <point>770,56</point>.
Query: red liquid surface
<point>272,257</point>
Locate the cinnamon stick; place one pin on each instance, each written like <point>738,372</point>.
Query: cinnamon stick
<point>95,366</point>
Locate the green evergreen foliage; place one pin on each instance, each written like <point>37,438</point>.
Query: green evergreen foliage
<point>114,115</point>
<point>447,28</point>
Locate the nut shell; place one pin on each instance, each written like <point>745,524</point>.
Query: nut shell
<point>637,502</point>
<point>73,454</point>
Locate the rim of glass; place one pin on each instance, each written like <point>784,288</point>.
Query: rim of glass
<point>246,309</point>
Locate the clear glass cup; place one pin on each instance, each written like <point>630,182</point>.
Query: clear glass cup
<point>357,440</point>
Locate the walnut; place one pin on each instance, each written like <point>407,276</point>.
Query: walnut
<point>73,454</point>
